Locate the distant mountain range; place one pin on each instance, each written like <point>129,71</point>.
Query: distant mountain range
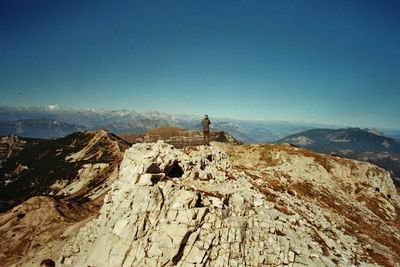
<point>54,121</point>
<point>361,144</point>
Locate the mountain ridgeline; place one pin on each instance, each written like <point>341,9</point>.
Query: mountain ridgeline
<point>77,166</point>
<point>54,121</point>
<point>361,144</point>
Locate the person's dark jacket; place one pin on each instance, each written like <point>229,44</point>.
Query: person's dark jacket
<point>206,124</point>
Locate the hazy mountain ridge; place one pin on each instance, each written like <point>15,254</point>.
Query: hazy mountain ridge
<point>356,139</point>
<point>130,121</point>
<point>361,144</point>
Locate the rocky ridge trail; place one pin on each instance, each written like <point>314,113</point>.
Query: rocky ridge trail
<point>247,205</point>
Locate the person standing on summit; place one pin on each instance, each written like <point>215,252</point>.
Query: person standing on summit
<point>206,130</point>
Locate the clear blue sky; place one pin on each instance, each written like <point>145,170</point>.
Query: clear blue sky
<point>315,61</point>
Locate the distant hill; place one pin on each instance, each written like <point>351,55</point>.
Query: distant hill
<point>353,140</point>
<point>361,144</point>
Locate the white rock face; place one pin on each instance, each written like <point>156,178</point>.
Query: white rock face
<point>85,175</point>
<point>301,140</point>
<point>84,154</point>
<point>230,205</point>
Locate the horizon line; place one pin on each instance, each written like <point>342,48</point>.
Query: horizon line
<point>55,107</point>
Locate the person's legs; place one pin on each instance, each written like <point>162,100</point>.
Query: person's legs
<point>206,138</point>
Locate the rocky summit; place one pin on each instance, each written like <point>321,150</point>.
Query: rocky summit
<point>224,205</point>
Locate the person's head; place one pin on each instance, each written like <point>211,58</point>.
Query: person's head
<point>47,263</point>
<point>206,116</point>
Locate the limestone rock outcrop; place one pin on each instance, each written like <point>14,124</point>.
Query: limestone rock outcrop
<point>247,205</point>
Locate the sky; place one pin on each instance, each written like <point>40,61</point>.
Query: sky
<point>333,62</point>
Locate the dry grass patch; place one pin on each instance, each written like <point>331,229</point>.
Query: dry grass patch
<point>130,138</point>
<point>282,207</point>
<point>375,204</point>
<point>378,258</point>
<point>166,132</point>
<point>270,196</point>
<point>375,172</point>
<point>275,184</point>
<point>266,155</point>
<point>304,189</point>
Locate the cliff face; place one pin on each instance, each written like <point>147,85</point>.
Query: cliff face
<point>229,205</point>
